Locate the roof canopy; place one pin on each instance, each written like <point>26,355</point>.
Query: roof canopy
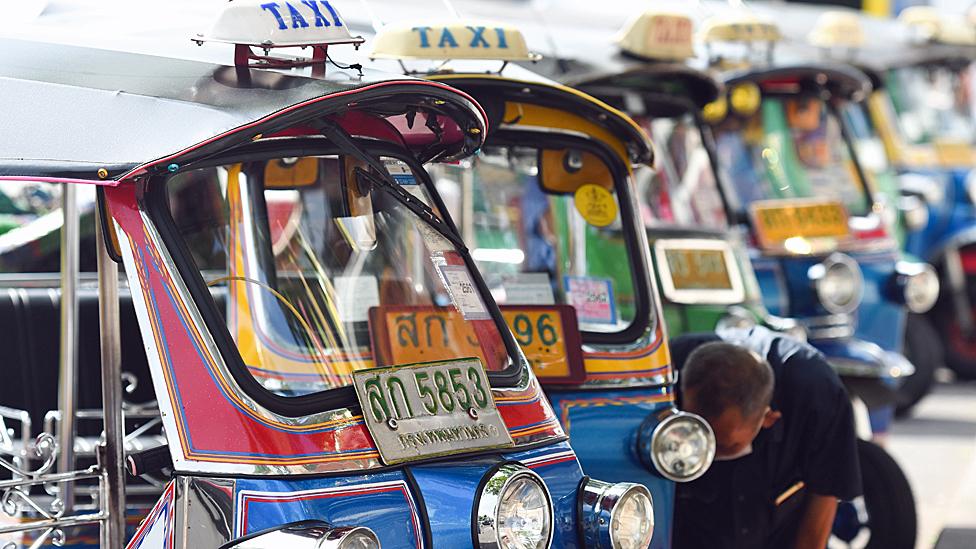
<point>69,111</point>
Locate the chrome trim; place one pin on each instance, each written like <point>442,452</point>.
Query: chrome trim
<point>736,294</point>
<point>914,212</point>
<point>598,503</point>
<point>306,535</point>
<point>828,326</point>
<point>909,272</point>
<point>649,445</point>
<point>818,271</point>
<point>889,365</point>
<point>489,503</point>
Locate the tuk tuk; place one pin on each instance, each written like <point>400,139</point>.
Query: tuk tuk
<point>922,112</point>
<point>548,207</point>
<point>289,292</point>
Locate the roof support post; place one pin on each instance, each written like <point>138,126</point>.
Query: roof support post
<point>112,458</point>
<point>68,375</point>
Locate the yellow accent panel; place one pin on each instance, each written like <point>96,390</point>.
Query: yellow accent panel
<point>526,114</point>
<point>560,116</point>
<point>879,8</point>
<point>660,358</point>
<point>303,173</point>
<point>954,153</point>
<point>899,152</point>
<point>556,178</point>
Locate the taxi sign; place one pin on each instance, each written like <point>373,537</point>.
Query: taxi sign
<point>742,27</point>
<point>279,23</point>
<point>481,41</point>
<point>655,35</point>
<point>550,338</point>
<point>777,221</point>
<point>698,271</point>
<point>932,26</point>
<point>837,29</point>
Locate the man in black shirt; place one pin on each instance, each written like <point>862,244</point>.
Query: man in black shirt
<point>786,443</point>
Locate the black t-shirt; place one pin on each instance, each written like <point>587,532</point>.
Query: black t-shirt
<point>756,501</point>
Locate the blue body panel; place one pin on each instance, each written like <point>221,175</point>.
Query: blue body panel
<point>603,426</point>
<point>407,506</point>
<point>954,214</point>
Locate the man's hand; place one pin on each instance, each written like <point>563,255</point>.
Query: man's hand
<point>816,523</point>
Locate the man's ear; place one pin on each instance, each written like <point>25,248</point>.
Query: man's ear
<point>771,417</point>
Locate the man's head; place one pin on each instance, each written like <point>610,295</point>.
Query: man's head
<point>732,388</point>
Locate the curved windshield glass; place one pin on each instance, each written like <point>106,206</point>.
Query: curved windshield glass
<point>321,269</point>
<point>791,148</point>
<point>682,190</point>
<point>932,102</point>
<point>545,228</point>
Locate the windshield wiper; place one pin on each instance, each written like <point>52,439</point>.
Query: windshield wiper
<point>381,178</point>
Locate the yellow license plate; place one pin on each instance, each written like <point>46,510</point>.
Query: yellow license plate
<point>695,269</point>
<point>778,221</point>
<point>407,335</point>
<point>550,339</point>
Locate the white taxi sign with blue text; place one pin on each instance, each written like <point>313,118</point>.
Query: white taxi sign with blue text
<point>459,41</point>
<point>280,23</point>
<point>838,29</point>
<point>663,36</point>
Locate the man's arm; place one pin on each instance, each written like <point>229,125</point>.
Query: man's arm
<point>816,522</point>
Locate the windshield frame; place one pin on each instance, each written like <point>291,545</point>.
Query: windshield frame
<point>645,313</point>
<point>215,322</point>
<point>830,101</point>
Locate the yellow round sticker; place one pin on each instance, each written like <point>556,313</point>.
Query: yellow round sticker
<point>596,205</point>
<point>745,98</point>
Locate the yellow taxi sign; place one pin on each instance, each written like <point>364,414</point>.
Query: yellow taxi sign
<point>742,27</point>
<point>480,41</point>
<point>656,35</point>
<point>837,29</point>
<point>931,25</point>
<point>777,221</point>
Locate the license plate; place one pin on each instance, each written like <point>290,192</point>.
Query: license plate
<point>777,222</point>
<point>696,269</point>
<point>426,410</point>
<point>550,338</point>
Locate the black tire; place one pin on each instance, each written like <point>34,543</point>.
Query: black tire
<point>960,353</point>
<point>888,498</point>
<point>923,348</point>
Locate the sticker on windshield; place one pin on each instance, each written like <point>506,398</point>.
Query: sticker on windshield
<point>592,298</point>
<point>400,171</point>
<point>435,241</point>
<point>596,205</point>
<point>528,289</point>
<point>464,292</point>
<point>355,296</point>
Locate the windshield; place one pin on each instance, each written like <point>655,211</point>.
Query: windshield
<point>545,227</point>
<point>321,269</point>
<point>932,102</point>
<point>791,148</point>
<point>682,190</point>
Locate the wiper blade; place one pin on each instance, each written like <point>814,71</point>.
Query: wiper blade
<point>381,178</point>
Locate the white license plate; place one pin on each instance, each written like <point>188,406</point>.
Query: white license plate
<point>433,409</point>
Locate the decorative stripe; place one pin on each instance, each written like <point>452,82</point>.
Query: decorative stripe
<point>161,511</point>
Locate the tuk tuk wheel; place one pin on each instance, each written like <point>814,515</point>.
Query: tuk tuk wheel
<point>884,518</point>
<point>924,350</point>
<point>960,351</point>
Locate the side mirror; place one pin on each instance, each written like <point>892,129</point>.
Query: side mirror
<point>308,534</point>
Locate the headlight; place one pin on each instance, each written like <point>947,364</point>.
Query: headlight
<point>838,282</point>
<point>920,285</point>
<point>311,534</point>
<point>681,447</point>
<point>616,516</point>
<point>514,511</point>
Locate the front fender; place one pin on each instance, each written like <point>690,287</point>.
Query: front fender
<point>857,358</point>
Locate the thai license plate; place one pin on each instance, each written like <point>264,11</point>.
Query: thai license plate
<point>697,269</point>
<point>776,222</point>
<point>550,338</point>
<point>426,410</point>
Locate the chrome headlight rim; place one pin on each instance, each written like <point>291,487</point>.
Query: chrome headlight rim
<point>818,274</point>
<point>597,506</point>
<point>487,536</point>
<point>658,433</point>
<point>914,273</point>
<point>303,534</point>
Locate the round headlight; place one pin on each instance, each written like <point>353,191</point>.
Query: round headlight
<point>351,538</point>
<point>838,282</point>
<point>514,511</point>
<point>921,286</point>
<point>616,516</point>
<point>682,447</point>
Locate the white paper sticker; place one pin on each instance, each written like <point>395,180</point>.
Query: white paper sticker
<point>435,241</point>
<point>528,289</point>
<point>355,296</point>
<point>464,293</point>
